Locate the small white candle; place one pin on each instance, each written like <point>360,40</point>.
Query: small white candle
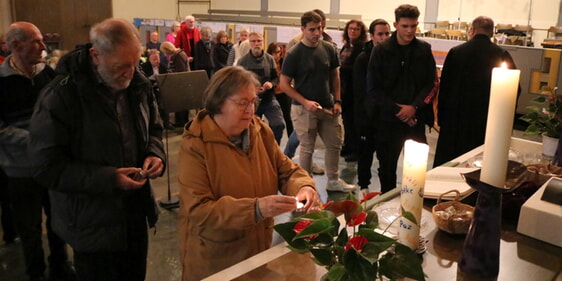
<point>503,97</point>
<point>411,194</point>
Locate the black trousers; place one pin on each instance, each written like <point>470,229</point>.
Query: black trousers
<point>389,143</point>
<point>28,200</point>
<point>350,138</point>
<point>285,103</point>
<point>129,264</point>
<point>366,150</point>
<point>6,216</point>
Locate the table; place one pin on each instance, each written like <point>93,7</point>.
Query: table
<point>521,258</point>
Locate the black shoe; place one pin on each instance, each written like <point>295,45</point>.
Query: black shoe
<point>37,278</point>
<point>352,157</point>
<point>64,272</point>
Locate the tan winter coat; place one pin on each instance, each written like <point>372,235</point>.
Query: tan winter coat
<point>219,185</point>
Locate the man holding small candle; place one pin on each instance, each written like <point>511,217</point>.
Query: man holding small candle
<point>465,91</point>
<point>400,78</point>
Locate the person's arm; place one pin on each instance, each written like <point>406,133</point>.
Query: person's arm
<point>376,75</point>
<point>10,135</point>
<point>273,73</point>
<point>336,88</point>
<point>285,83</point>
<point>51,145</point>
<point>231,56</point>
<point>155,159</point>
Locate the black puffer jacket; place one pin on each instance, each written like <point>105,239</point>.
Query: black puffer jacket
<point>76,140</point>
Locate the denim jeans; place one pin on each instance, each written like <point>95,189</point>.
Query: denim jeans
<point>292,145</point>
<point>272,111</point>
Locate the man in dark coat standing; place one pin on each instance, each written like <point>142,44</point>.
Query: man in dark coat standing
<point>96,138</point>
<point>465,91</point>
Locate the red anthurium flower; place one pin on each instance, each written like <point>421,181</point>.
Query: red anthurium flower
<point>356,243</point>
<point>357,219</point>
<point>369,196</point>
<point>300,226</point>
<point>327,205</point>
<point>344,207</point>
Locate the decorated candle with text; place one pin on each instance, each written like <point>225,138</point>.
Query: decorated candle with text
<point>501,111</point>
<point>411,193</point>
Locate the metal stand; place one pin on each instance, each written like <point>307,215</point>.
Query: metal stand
<point>172,201</point>
<point>180,91</point>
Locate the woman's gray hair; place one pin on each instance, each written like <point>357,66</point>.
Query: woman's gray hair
<point>109,33</point>
<point>206,30</point>
<point>224,84</point>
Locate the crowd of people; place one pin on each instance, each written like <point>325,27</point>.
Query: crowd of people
<point>81,142</point>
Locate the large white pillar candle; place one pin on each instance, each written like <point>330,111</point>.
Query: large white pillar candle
<point>503,97</point>
<point>411,194</point>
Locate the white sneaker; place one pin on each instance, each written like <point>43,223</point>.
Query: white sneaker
<point>316,170</point>
<point>339,185</point>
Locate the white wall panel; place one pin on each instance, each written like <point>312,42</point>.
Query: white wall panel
<point>299,6</point>
<point>251,5</point>
<point>381,9</point>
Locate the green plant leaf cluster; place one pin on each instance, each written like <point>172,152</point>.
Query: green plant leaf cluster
<point>330,247</point>
<point>544,116</point>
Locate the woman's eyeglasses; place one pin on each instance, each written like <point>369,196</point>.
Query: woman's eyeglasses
<point>244,104</point>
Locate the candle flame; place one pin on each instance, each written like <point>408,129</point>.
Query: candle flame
<point>504,65</point>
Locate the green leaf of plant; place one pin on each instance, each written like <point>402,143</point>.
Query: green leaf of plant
<point>372,219</point>
<point>336,227</point>
<point>323,240</point>
<point>337,272</point>
<point>318,226</point>
<point>298,246</point>
<point>286,230</point>
<point>317,215</point>
<point>409,216</point>
<point>358,268</point>
<point>323,257</point>
<point>402,263</point>
<point>343,237</point>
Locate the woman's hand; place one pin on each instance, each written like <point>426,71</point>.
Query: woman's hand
<point>310,195</point>
<point>273,205</point>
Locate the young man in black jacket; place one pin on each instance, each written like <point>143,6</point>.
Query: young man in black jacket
<point>401,75</point>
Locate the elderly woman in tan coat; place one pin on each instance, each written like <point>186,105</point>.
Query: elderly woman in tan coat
<point>230,172</point>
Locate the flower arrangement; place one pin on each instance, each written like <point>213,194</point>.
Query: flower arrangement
<point>363,255</point>
<point>544,117</point>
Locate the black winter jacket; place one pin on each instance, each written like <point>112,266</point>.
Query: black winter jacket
<point>404,79</point>
<point>76,140</point>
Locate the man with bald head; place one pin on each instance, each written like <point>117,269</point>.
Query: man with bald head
<point>97,140</point>
<point>465,91</point>
<point>22,75</point>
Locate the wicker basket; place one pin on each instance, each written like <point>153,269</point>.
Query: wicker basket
<point>459,221</point>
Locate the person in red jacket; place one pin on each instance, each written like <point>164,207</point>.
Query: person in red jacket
<point>187,37</point>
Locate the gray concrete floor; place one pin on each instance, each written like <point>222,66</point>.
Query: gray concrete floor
<point>163,255</point>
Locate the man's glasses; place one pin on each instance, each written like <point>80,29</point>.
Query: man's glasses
<point>382,33</point>
<point>244,104</point>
